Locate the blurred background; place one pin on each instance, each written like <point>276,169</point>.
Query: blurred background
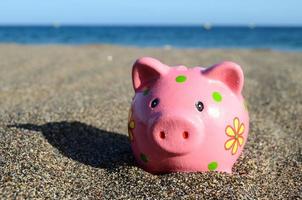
<point>193,23</point>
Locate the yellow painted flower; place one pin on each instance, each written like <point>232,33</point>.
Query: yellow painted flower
<point>235,133</point>
<point>131,125</point>
<point>130,134</point>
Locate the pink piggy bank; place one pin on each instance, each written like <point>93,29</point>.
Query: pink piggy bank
<point>187,119</point>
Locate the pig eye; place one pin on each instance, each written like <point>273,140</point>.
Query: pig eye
<point>199,106</point>
<point>154,103</point>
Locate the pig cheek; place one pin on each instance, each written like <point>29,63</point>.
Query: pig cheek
<point>140,144</point>
<point>145,151</point>
<point>214,125</point>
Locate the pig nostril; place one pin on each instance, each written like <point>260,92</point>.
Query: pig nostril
<point>185,135</point>
<point>162,135</point>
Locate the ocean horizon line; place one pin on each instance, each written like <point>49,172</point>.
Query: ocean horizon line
<point>252,25</point>
<point>203,36</point>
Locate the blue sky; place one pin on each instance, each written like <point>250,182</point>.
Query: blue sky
<point>143,12</point>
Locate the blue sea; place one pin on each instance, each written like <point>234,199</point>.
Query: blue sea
<point>276,38</point>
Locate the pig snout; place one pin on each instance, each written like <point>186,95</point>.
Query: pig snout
<point>176,135</point>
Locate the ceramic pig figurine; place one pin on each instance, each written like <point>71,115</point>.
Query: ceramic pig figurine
<point>187,119</point>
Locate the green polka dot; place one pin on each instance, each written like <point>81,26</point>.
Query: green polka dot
<point>181,79</point>
<point>217,96</point>
<point>212,166</point>
<point>144,157</point>
<point>146,91</point>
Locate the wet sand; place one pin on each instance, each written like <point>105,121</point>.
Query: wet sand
<point>63,127</point>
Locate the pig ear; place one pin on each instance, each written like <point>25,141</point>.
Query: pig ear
<point>146,71</point>
<point>229,73</point>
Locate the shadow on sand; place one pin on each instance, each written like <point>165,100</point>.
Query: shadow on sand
<point>86,144</point>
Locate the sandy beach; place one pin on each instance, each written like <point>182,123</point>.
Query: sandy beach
<point>63,125</point>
